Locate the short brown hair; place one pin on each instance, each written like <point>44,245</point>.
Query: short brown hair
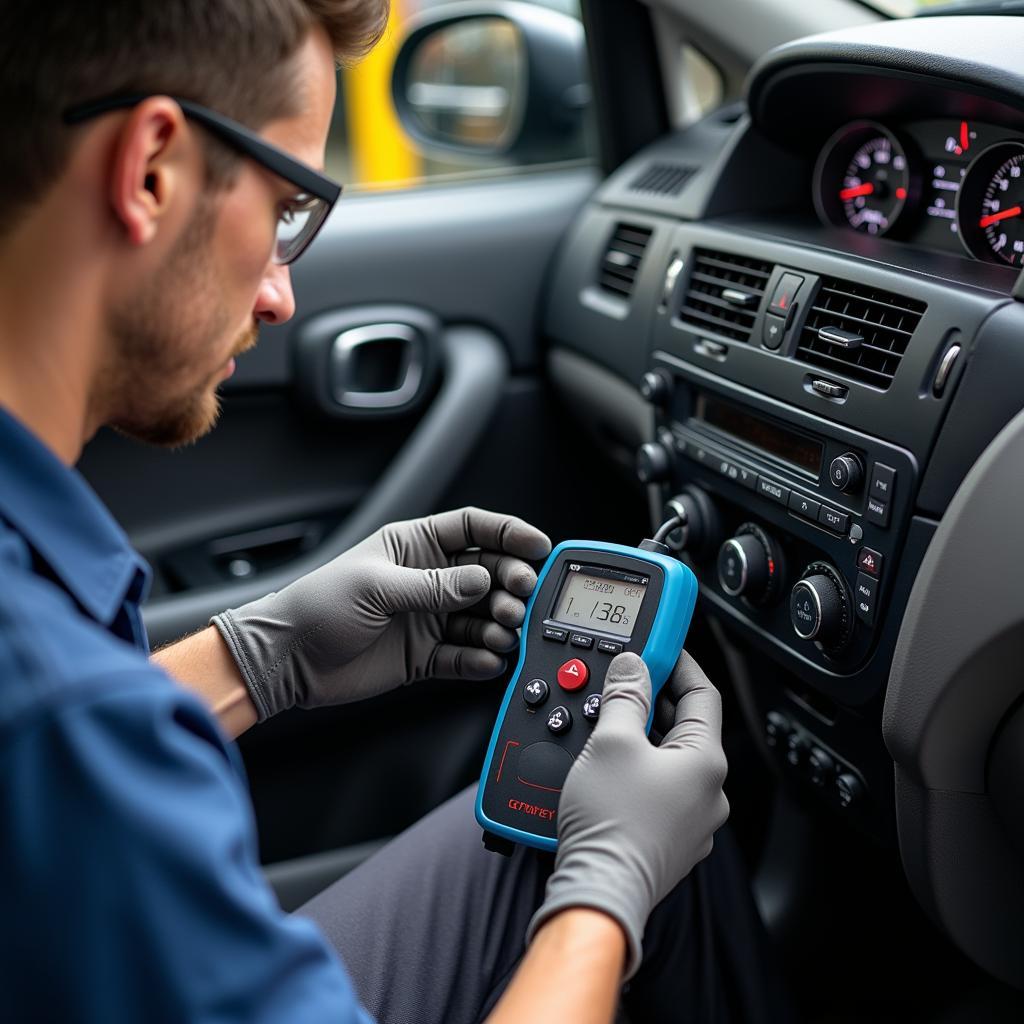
<point>231,55</point>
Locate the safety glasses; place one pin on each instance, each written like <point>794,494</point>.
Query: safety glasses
<point>299,219</point>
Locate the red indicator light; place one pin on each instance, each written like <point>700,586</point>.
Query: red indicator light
<point>784,301</point>
<point>901,193</point>
<point>964,140</point>
<point>993,218</point>
<point>771,567</point>
<point>857,190</point>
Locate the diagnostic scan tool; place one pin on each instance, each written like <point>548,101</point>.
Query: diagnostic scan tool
<point>592,600</point>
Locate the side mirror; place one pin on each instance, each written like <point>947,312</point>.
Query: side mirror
<point>494,80</point>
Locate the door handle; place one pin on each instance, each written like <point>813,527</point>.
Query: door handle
<point>378,366</point>
<point>367,361</point>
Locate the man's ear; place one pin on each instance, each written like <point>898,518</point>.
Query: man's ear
<point>150,166</point>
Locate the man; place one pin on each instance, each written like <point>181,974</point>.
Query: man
<point>158,176</point>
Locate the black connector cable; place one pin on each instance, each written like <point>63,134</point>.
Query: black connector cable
<point>657,542</point>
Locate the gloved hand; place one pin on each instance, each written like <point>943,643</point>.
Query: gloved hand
<point>439,597</point>
<point>633,819</point>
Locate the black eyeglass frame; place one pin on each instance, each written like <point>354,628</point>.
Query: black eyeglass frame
<point>237,136</point>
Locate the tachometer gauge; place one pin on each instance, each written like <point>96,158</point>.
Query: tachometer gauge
<point>863,179</point>
<point>990,205</point>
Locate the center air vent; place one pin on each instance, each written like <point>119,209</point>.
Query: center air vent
<point>663,179</point>
<point>724,293</point>
<point>858,331</point>
<point>622,259</point>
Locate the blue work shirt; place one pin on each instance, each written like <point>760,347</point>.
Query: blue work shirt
<point>130,887</point>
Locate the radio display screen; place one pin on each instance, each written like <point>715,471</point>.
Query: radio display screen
<point>593,597</point>
<point>798,449</point>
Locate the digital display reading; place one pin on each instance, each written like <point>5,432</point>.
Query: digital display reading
<point>602,599</point>
<point>801,451</point>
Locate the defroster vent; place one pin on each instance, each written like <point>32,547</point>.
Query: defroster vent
<point>663,179</point>
<point>858,331</point>
<point>622,259</point>
<point>724,293</point>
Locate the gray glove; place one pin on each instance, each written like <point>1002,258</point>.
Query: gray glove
<point>633,819</point>
<point>438,598</point>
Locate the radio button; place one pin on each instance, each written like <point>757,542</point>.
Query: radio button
<point>748,478</point>
<point>883,481</point>
<point>804,506</point>
<point>835,520</point>
<point>770,489</point>
<point>877,511</point>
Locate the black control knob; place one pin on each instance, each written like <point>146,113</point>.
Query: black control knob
<point>743,566</point>
<point>849,789</point>
<point>653,463</point>
<point>846,472</point>
<point>656,387</point>
<point>820,609</point>
<point>700,530</point>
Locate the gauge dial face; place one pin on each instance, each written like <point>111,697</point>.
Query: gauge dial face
<point>991,203</point>
<point>863,179</point>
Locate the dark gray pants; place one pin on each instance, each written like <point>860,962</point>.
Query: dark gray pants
<point>431,929</point>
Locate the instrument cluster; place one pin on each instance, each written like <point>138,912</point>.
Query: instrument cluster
<point>940,183</point>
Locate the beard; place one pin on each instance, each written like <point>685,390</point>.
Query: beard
<point>160,336</point>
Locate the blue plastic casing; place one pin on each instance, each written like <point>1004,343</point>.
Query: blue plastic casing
<point>660,653</point>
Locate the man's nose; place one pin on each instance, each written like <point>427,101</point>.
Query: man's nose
<point>275,301</point>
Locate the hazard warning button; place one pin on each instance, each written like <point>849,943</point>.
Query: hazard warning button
<point>573,675</point>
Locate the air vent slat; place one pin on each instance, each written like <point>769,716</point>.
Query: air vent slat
<point>715,274</point>
<point>884,320</point>
<point>621,261</point>
<point>663,179</point>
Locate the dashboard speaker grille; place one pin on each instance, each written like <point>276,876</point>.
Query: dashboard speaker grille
<point>663,179</point>
<point>858,331</point>
<point>622,258</point>
<point>724,293</point>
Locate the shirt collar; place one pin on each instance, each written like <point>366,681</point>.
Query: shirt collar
<point>66,524</point>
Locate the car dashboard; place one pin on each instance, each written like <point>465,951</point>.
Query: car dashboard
<point>815,293</point>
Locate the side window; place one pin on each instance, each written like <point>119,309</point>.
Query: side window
<point>468,111</point>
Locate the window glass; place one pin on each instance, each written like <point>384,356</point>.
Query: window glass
<point>369,150</point>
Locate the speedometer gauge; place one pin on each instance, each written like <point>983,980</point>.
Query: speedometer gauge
<point>863,178</point>
<point>990,205</point>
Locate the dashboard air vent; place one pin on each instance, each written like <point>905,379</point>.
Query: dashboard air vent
<point>663,179</point>
<point>622,259</point>
<point>858,331</point>
<point>724,293</point>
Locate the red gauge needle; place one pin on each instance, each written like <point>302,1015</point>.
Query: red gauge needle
<point>857,190</point>
<point>965,142</point>
<point>992,218</point>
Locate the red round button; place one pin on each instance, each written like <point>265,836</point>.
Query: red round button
<point>573,675</point>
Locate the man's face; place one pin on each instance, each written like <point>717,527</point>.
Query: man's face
<point>176,340</point>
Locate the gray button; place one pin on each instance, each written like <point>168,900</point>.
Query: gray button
<point>773,490</point>
<point>833,519</point>
<point>864,595</point>
<point>883,481</point>
<point>877,512</point>
<point>804,506</point>
<point>773,330</point>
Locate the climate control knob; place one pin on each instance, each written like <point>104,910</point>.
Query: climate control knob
<point>748,565</point>
<point>820,608</point>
